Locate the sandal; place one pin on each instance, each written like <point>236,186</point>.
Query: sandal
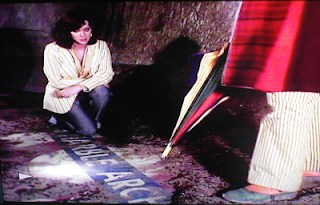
<point>245,196</point>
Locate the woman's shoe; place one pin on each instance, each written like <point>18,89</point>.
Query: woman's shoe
<point>53,121</point>
<point>245,196</point>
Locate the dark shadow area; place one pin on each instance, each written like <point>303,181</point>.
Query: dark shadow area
<point>20,99</point>
<point>17,61</point>
<point>153,93</point>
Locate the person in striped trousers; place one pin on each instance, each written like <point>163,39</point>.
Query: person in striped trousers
<point>275,49</point>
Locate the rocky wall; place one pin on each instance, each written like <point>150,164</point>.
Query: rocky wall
<point>142,29</point>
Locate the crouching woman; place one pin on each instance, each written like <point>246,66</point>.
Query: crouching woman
<point>78,67</point>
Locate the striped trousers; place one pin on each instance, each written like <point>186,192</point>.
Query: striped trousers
<point>288,141</point>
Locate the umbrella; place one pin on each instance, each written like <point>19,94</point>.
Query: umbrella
<point>203,96</point>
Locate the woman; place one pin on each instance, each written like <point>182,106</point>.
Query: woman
<point>78,67</point>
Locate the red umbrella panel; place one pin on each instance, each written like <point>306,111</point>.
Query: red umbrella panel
<point>202,98</point>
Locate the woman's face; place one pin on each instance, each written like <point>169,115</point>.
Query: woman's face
<point>83,34</point>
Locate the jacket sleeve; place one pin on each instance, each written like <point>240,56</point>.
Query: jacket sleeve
<point>58,68</point>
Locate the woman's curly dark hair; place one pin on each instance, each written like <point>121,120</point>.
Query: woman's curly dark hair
<point>72,21</point>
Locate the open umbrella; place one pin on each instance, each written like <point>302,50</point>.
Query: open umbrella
<point>203,97</point>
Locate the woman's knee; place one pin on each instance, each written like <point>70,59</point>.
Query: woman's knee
<point>101,95</point>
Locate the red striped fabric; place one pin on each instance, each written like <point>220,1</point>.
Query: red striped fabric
<point>266,49</point>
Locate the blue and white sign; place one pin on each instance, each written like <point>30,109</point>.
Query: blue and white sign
<point>115,174</point>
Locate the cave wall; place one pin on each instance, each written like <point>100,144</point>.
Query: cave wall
<point>135,31</point>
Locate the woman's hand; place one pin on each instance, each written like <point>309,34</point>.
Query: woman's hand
<point>70,91</point>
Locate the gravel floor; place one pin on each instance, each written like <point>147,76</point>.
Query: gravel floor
<point>210,160</point>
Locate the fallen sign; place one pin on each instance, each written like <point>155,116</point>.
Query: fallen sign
<point>111,171</point>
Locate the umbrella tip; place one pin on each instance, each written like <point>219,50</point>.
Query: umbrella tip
<point>167,150</point>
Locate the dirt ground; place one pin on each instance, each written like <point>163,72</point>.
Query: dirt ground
<point>210,160</point>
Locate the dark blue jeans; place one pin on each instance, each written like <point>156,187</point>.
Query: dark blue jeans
<point>86,111</point>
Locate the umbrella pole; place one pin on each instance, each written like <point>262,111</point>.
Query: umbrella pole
<point>167,150</point>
